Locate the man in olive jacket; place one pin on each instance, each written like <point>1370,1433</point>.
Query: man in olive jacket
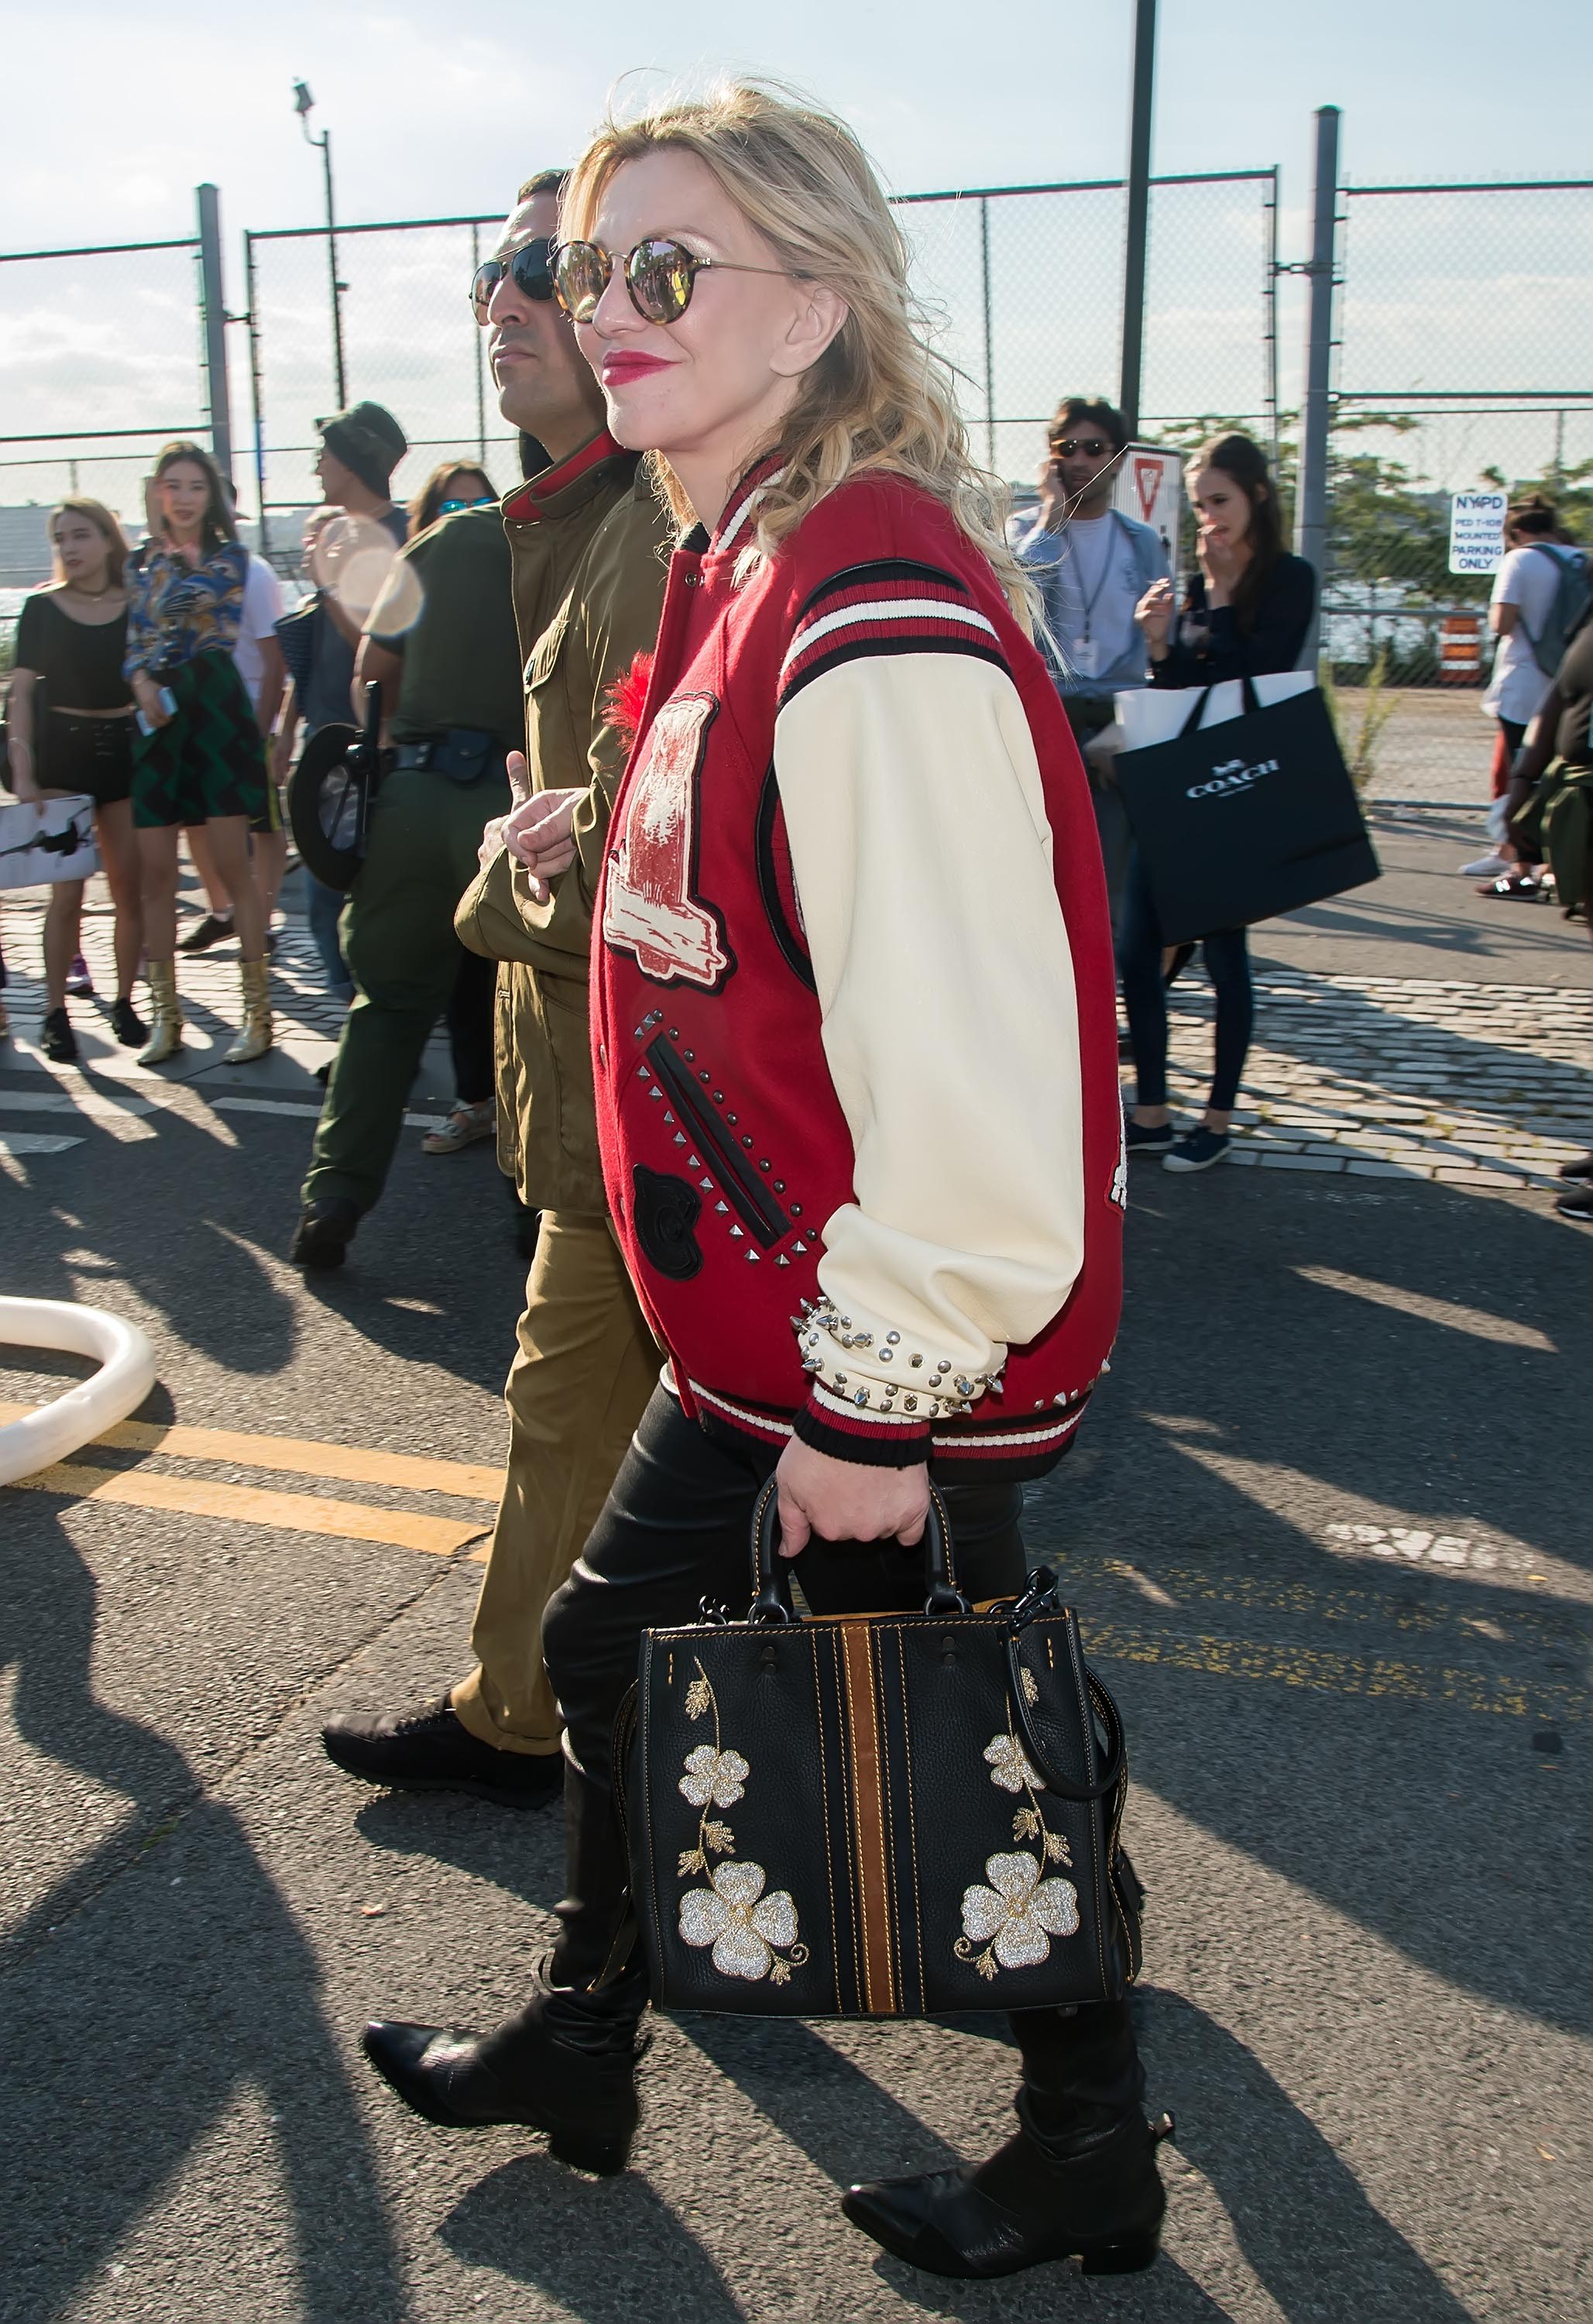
<point>589,541</point>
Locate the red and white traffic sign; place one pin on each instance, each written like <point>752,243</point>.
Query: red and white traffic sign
<point>1150,489</point>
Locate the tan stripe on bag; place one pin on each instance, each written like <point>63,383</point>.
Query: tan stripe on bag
<point>872,1868</point>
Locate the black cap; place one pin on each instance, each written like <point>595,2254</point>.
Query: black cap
<point>367,438</point>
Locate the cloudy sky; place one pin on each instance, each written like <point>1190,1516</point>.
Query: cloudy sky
<point>440,112</point>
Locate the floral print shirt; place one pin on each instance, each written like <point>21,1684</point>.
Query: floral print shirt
<point>176,609</point>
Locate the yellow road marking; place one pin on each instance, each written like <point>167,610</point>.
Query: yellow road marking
<point>1283,1664</point>
<point>202,1497</point>
<point>299,1456</point>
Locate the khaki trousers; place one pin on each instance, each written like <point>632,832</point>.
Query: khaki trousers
<point>585,1368</point>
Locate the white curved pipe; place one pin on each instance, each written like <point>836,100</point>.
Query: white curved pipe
<point>125,1377</point>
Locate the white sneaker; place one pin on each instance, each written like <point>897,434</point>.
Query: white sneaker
<point>1484,868</point>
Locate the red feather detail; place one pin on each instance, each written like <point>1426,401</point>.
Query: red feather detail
<point>626,699</point>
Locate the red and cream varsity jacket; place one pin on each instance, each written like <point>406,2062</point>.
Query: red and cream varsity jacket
<point>854,1024</point>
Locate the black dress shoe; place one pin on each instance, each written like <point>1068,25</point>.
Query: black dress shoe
<point>1577,1202</point>
<point>324,1232</point>
<point>1024,2206</point>
<point>566,2065</point>
<point>431,1750</point>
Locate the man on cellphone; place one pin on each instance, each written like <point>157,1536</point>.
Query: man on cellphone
<point>588,536</point>
<point>1092,565</point>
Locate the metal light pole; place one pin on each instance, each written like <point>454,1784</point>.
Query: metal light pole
<point>1138,219</point>
<point>1311,505</point>
<point>302,102</point>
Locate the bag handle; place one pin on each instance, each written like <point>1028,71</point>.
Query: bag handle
<point>1251,700</point>
<point>1105,1709</point>
<point>771,1573</point>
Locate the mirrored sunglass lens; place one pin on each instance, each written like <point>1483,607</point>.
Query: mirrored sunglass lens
<point>660,277</point>
<point>529,267</point>
<point>485,282</point>
<point>579,275</point>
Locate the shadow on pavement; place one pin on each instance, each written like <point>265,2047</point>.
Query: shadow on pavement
<point>135,2021</point>
<point>608,2251</point>
<point>1403,1789</point>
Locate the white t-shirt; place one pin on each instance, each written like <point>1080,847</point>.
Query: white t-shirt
<point>262,610</point>
<point>1530,580</point>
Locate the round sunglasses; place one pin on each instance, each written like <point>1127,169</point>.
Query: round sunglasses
<point>527,268</point>
<point>1092,447</point>
<point>659,274</point>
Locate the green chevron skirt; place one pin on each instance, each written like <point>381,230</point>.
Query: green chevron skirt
<point>209,760</point>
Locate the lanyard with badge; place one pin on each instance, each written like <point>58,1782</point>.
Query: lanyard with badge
<point>1084,651</point>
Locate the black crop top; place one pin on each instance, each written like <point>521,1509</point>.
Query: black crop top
<point>79,662</point>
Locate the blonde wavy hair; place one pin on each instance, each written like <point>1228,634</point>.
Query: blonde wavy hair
<point>880,398</point>
<point>103,522</point>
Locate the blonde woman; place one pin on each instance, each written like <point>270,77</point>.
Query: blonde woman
<point>851,931</point>
<point>70,642</point>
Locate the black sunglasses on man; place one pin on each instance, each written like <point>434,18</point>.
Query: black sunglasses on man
<point>527,268</point>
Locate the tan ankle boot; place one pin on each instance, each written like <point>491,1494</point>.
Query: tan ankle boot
<point>166,1015</point>
<point>255,1038</point>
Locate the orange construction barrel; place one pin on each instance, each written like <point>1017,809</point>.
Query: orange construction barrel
<point>1459,650</point>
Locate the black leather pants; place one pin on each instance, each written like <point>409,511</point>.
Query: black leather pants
<point>676,1529</point>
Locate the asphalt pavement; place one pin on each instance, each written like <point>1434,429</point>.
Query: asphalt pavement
<point>1327,1530</point>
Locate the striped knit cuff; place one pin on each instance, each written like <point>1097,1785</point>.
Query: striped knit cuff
<point>878,1440</point>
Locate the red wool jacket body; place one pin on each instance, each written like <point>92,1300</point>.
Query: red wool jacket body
<point>854,1032</point>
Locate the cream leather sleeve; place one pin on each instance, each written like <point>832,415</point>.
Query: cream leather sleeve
<point>922,859</point>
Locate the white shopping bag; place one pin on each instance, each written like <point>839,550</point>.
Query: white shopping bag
<point>39,845</point>
<point>1156,713</point>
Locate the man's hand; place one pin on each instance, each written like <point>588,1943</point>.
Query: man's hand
<point>537,829</point>
<point>1053,496</point>
<point>520,786</point>
<point>846,1500</point>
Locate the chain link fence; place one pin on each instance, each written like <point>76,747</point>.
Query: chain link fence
<point>101,360</point>
<point>1023,283</point>
<point>1463,329</point>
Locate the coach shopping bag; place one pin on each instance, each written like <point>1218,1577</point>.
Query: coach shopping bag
<point>55,840</point>
<point>1240,816</point>
<point>877,1815</point>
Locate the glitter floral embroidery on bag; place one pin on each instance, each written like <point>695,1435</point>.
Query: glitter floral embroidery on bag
<point>752,1935</point>
<point>1014,1918</point>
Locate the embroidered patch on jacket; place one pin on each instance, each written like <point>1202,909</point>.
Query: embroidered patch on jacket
<point>651,906</point>
<point>665,1211</point>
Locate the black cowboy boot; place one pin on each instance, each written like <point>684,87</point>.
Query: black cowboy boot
<point>1079,2180</point>
<point>567,2063</point>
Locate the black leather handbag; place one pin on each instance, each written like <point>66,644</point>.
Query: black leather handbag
<point>877,1815</point>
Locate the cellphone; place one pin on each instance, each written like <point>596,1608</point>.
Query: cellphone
<point>168,702</point>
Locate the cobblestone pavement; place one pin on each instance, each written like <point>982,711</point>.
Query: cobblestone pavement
<point>1401,1077</point>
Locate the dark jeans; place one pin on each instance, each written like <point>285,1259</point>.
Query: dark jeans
<point>1140,944</point>
<point>676,1529</point>
<point>470,1028</point>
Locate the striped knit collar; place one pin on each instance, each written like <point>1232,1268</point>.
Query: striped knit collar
<point>736,524</point>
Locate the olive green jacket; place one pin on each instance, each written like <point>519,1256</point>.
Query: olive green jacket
<point>590,543</point>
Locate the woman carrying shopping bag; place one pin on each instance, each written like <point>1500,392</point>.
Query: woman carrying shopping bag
<point>199,755</point>
<point>70,645</point>
<point>1246,612</point>
<point>860,1133</point>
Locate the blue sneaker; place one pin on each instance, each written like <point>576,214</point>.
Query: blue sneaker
<point>1198,1149</point>
<point>1138,1139</point>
